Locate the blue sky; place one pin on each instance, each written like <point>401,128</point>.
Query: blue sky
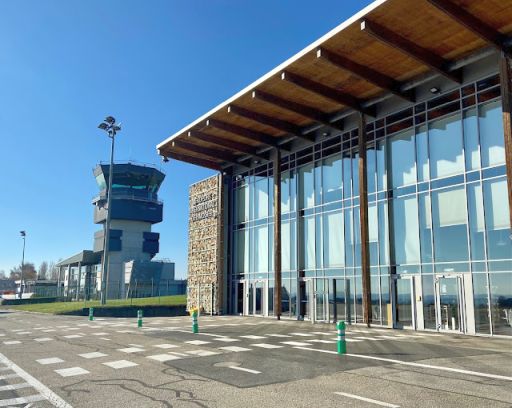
<point>156,66</point>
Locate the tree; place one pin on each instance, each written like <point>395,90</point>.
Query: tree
<point>43,271</point>
<point>29,272</point>
<point>3,275</point>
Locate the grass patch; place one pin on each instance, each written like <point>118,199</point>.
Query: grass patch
<point>64,307</point>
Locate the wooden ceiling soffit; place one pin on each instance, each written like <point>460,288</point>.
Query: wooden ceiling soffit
<point>472,23</point>
<point>244,132</point>
<point>276,123</point>
<point>303,110</point>
<point>194,160</point>
<point>229,144</point>
<point>326,92</point>
<point>206,151</point>
<point>368,74</point>
<point>422,55</point>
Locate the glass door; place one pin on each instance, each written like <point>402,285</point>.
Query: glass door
<point>258,298</point>
<point>405,317</point>
<point>339,309</point>
<point>305,296</point>
<point>321,304</point>
<point>449,303</point>
<point>239,297</point>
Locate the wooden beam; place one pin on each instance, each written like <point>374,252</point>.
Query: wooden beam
<point>363,222</point>
<point>193,160</point>
<point>236,146</point>
<point>276,123</point>
<point>277,235</point>
<point>325,91</point>
<point>472,23</point>
<point>422,55</point>
<point>368,74</point>
<point>298,108</point>
<point>206,151</point>
<point>244,132</point>
<point>506,102</point>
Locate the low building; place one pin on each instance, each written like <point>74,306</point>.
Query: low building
<point>368,178</point>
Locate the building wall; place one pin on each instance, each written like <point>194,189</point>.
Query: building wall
<point>205,277</point>
<point>437,208</point>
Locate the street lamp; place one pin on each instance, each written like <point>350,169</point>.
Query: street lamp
<point>23,235</point>
<point>108,125</point>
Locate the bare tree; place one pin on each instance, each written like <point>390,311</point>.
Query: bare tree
<point>29,272</point>
<point>3,275</point>
<point>43,270</point>
<point>53,271</point>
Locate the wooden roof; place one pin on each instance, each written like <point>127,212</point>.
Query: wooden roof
<point>374,53</point>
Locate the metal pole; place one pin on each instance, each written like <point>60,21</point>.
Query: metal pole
<point>104,269</point>
<point>22,265</point>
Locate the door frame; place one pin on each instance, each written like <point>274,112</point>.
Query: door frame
<point>459,277</point>
<point>414,314</point>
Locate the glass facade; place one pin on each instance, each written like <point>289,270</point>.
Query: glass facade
<point>438,221</point>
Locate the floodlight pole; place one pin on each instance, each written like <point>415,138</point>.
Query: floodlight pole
<point>111,129</point>
<point>23,234</point>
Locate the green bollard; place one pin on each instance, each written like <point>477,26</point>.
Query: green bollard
<point>91,314</point>
<point>195,325</point>
<point>139,318</point>
<point>342,344</point>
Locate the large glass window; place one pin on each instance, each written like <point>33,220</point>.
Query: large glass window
<point>347,175</point>
<point>383,233</point>
<point>334,248</point>
<point>422,153</point>
<point>349,237</point>
<point>425,227</point>
<point>308,243</point>
<point>306,186</point>
<point>501,303</point>
<point>471,144</point>
<point>402,159</point>
<point>491,134</point>
<point>445,140</point>
<point>371,169</point>
<point>499,245</point>
<point>261,198</point>
<point>449,220</point>
<point>476,221</point>
<point>261,255</point>
<point>332,179</point>
<point>382,180</point>
<point>242,204</point>
<point>406,230</point>
<point>373,234</point>
<point>481,302</point>
<point>242,251</point>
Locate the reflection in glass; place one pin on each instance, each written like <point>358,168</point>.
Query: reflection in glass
<point>425,227</point>
<point>387,317</point>
<point>349,238</point>
<point>471,144</point>
<point>373,234</point>
<point>375,299</point>
<point>422,153</point>
<point>347,175</point>
<point>334,248</point>
<point>481,303</point>
<point>242,204</point>
<point>406,230</point>
<point>371,169</point>
<point>402,159</point>
<point>449,220</point>
<point>261,255</point>
<point>261,198</point>
<point>501,302</point>
<point>332,179</point>
<point>497,222</point>
<point>476,221</point>
<point>382,183</point>
<point>383,233</point>
<point>308,243</point>
<point>445,140</point>
<point>491,134</point>
<point>429,308</point>
<point>306,186</point>
<point>404,311</point>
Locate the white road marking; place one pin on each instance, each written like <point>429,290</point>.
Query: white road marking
<point>202,353</point>
<point>278,335</point>
<point>72,336</point>
<point>407,363</point>
<point>323,341</point>
<point>120,364</point>
<point>164,357</point>
<point>131,350</point>
<point>349,340</point>
<point>198,342</point>
<point>372,401</point>
<point>48,330</point>
<point>99,334</point>
<point>366,338</point>
<point>14,386</point>
<point>45,392</point>
<point>253,337</point>
<point>8,343</point>
<point>247,370</point>
<point>175,353</point>
<point>7,376</point>
<point>302,334</point>
<point>235,349</point>
<point>169,346</point>
<point>295,343</point>
<point>322,333</point>
<point>266,345</point>
<point>225,339</point>
<point>52,360</point>
<point>104,338</point>
<point>21,400</point>
<point>94,354</point>
<point>42,339</point>
<point>71,372</point>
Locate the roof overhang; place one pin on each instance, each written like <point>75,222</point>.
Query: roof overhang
<point>374,55</point>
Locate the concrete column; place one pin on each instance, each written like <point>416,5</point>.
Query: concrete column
<point>78,281</point>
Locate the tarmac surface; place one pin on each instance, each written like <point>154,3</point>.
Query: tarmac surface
<point>234,361</point>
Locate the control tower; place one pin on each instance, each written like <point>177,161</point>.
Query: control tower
<point>135,208</point>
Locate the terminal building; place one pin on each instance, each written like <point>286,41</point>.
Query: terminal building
<point>366,179</point>
<point>132,243</point>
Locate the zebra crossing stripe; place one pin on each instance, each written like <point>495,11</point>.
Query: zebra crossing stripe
<point>44,391</point>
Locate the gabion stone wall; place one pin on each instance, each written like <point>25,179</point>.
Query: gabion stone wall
<point>205,245</point>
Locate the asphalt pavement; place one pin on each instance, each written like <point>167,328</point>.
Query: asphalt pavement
<point>68,361</point>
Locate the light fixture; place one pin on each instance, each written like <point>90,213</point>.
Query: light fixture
<point>165,159</point>
<point>238,177</point>
<point>435,90</point>
<point>256,162</point>
<point>110,120</point>
<point>325,134</point>
<point>103,126</point>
